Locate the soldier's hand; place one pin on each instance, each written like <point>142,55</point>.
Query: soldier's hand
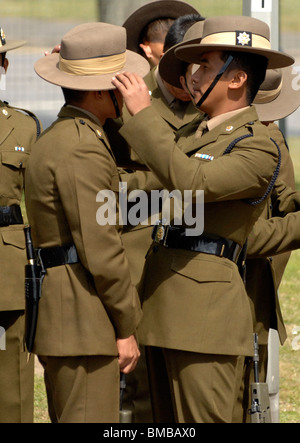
<point>134,90</point>
<point>129,353</point>
<point>55,50</point>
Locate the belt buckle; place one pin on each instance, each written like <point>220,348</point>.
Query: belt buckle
<point>160,233</point>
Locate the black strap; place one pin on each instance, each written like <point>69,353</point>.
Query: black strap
<point>115,103</point>
<point>174,237</point>
<point>57,256</point>
<point>215,81</point>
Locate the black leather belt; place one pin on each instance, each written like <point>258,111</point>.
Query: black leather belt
<point>57,256</point>
<point>10,215</point>
<point>174,237</point>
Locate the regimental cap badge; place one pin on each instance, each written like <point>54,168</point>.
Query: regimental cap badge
<point>243,38</point>
<point>2,38</point>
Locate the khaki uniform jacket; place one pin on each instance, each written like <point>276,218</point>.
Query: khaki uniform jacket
<point>193,301</point>
<point>84,306</point>
<point>17,133</point>
<point>264,274</point>
<point>137,240</point>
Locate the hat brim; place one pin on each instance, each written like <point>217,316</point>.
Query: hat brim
<point>48,69</point>
<point>12,44</point>
<point>287,102</point>
<point>193,53</point>
<point>171,67</point>
<point>139,19</point>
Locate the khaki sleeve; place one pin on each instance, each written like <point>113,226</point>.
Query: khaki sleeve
<point>243,174</point>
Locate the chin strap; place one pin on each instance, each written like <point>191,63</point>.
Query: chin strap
<point>213,84</point>
<point>115,103</point>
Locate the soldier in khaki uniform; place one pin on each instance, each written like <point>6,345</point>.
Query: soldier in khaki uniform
<point>89,310</point>
<point>18,132</point>
<point>197,318</point>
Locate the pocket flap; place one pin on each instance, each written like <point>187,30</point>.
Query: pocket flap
<point>14,237</point>
<point>15,159</point>
<point>202,269</point>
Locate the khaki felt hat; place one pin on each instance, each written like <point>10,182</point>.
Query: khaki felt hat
<point>278,95</point>
<point>8,45</point>
<point>146,14</point>
<point>235,34</point>
<point>170,67</point>
<point>91,54</point>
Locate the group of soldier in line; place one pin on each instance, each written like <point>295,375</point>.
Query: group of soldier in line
<point>171,100</point>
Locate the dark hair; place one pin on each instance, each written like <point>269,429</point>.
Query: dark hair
<point>73,96</point>
<point>3,55</point>
<point>156,31</point>
<point>178,29</point>
<point>255,67</point>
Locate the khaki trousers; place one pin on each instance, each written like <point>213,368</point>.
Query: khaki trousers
<point>82,389</point>
<point>188,387</point>
<point>16,371</point>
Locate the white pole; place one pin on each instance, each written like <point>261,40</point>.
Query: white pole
<point>268,11</point>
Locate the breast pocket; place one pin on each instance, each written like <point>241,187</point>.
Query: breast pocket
<point>13,164</point>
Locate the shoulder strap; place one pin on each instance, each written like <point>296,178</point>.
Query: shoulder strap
<point>31,114</point>
<point>276,172</point>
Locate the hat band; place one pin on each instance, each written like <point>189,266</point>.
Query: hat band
<point>237,38</point>
<point>263,97</point>
<point>93,66</point>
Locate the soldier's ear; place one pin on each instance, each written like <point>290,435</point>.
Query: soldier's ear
<point>238,80</point>
<point>147,50</point>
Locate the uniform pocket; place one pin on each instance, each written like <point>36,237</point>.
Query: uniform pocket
<point>202,269</point>
<point>13,159</point>
<point>14,237</point>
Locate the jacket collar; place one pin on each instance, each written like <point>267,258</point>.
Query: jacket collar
<point>227,127</point>
<point>162,103</point>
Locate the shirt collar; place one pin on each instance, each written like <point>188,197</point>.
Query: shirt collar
<point>215,121</point>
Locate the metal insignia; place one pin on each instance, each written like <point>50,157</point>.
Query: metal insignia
<point>160,232</point>
<point>243,38</point>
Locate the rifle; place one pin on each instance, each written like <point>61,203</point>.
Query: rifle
<point>260,403</point>
<point>33,283</point>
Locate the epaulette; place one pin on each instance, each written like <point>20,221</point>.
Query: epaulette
<point>31,114</point>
